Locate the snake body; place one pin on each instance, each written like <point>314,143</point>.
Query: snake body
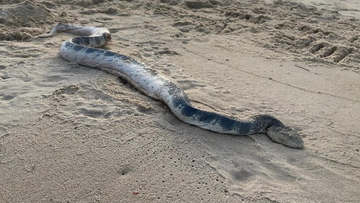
<point>83,50</point>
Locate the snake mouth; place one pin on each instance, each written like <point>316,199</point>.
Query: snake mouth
<point>107,36</point>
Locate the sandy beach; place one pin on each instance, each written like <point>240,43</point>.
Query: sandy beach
<point>70,133</point>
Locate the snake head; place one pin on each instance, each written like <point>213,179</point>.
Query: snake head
<point>286,136</point>
<point>107,36</point>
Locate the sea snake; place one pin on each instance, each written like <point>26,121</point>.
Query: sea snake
<point>83,50</point>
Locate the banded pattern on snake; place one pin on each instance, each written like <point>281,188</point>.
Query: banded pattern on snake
<point>84,50</point>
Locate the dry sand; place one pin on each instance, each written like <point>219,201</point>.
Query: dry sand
<point>74,134</point>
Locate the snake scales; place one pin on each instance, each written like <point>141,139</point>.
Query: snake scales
<point>83,50</point>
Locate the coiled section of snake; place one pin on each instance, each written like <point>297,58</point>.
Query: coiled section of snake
<point>82,50</point>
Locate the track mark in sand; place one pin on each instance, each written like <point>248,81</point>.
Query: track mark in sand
<point>202,103</point>
<point>241,175</point>
<point>91,112</point>
<point>302,67</point>
<point>3,133</point>
<point>26,159</point>
<point>307,32</point>
<point>199,4</point>
<point>90,103</point>
<point>328,51</point>
<point>333,53</point>
<point>317,47</point>
<point>342,53</point>
<point>190,84</point>
<point>265,77</point>
<point>4,76</point>
<point>71,89</point>
<point>167,51</point>
<point>338,162</point>
<point>76,101</point>
<point>22,18</point>
<point>295,27</point>
<point>7,97</point>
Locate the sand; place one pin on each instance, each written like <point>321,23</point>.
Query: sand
<point>70,133</point>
